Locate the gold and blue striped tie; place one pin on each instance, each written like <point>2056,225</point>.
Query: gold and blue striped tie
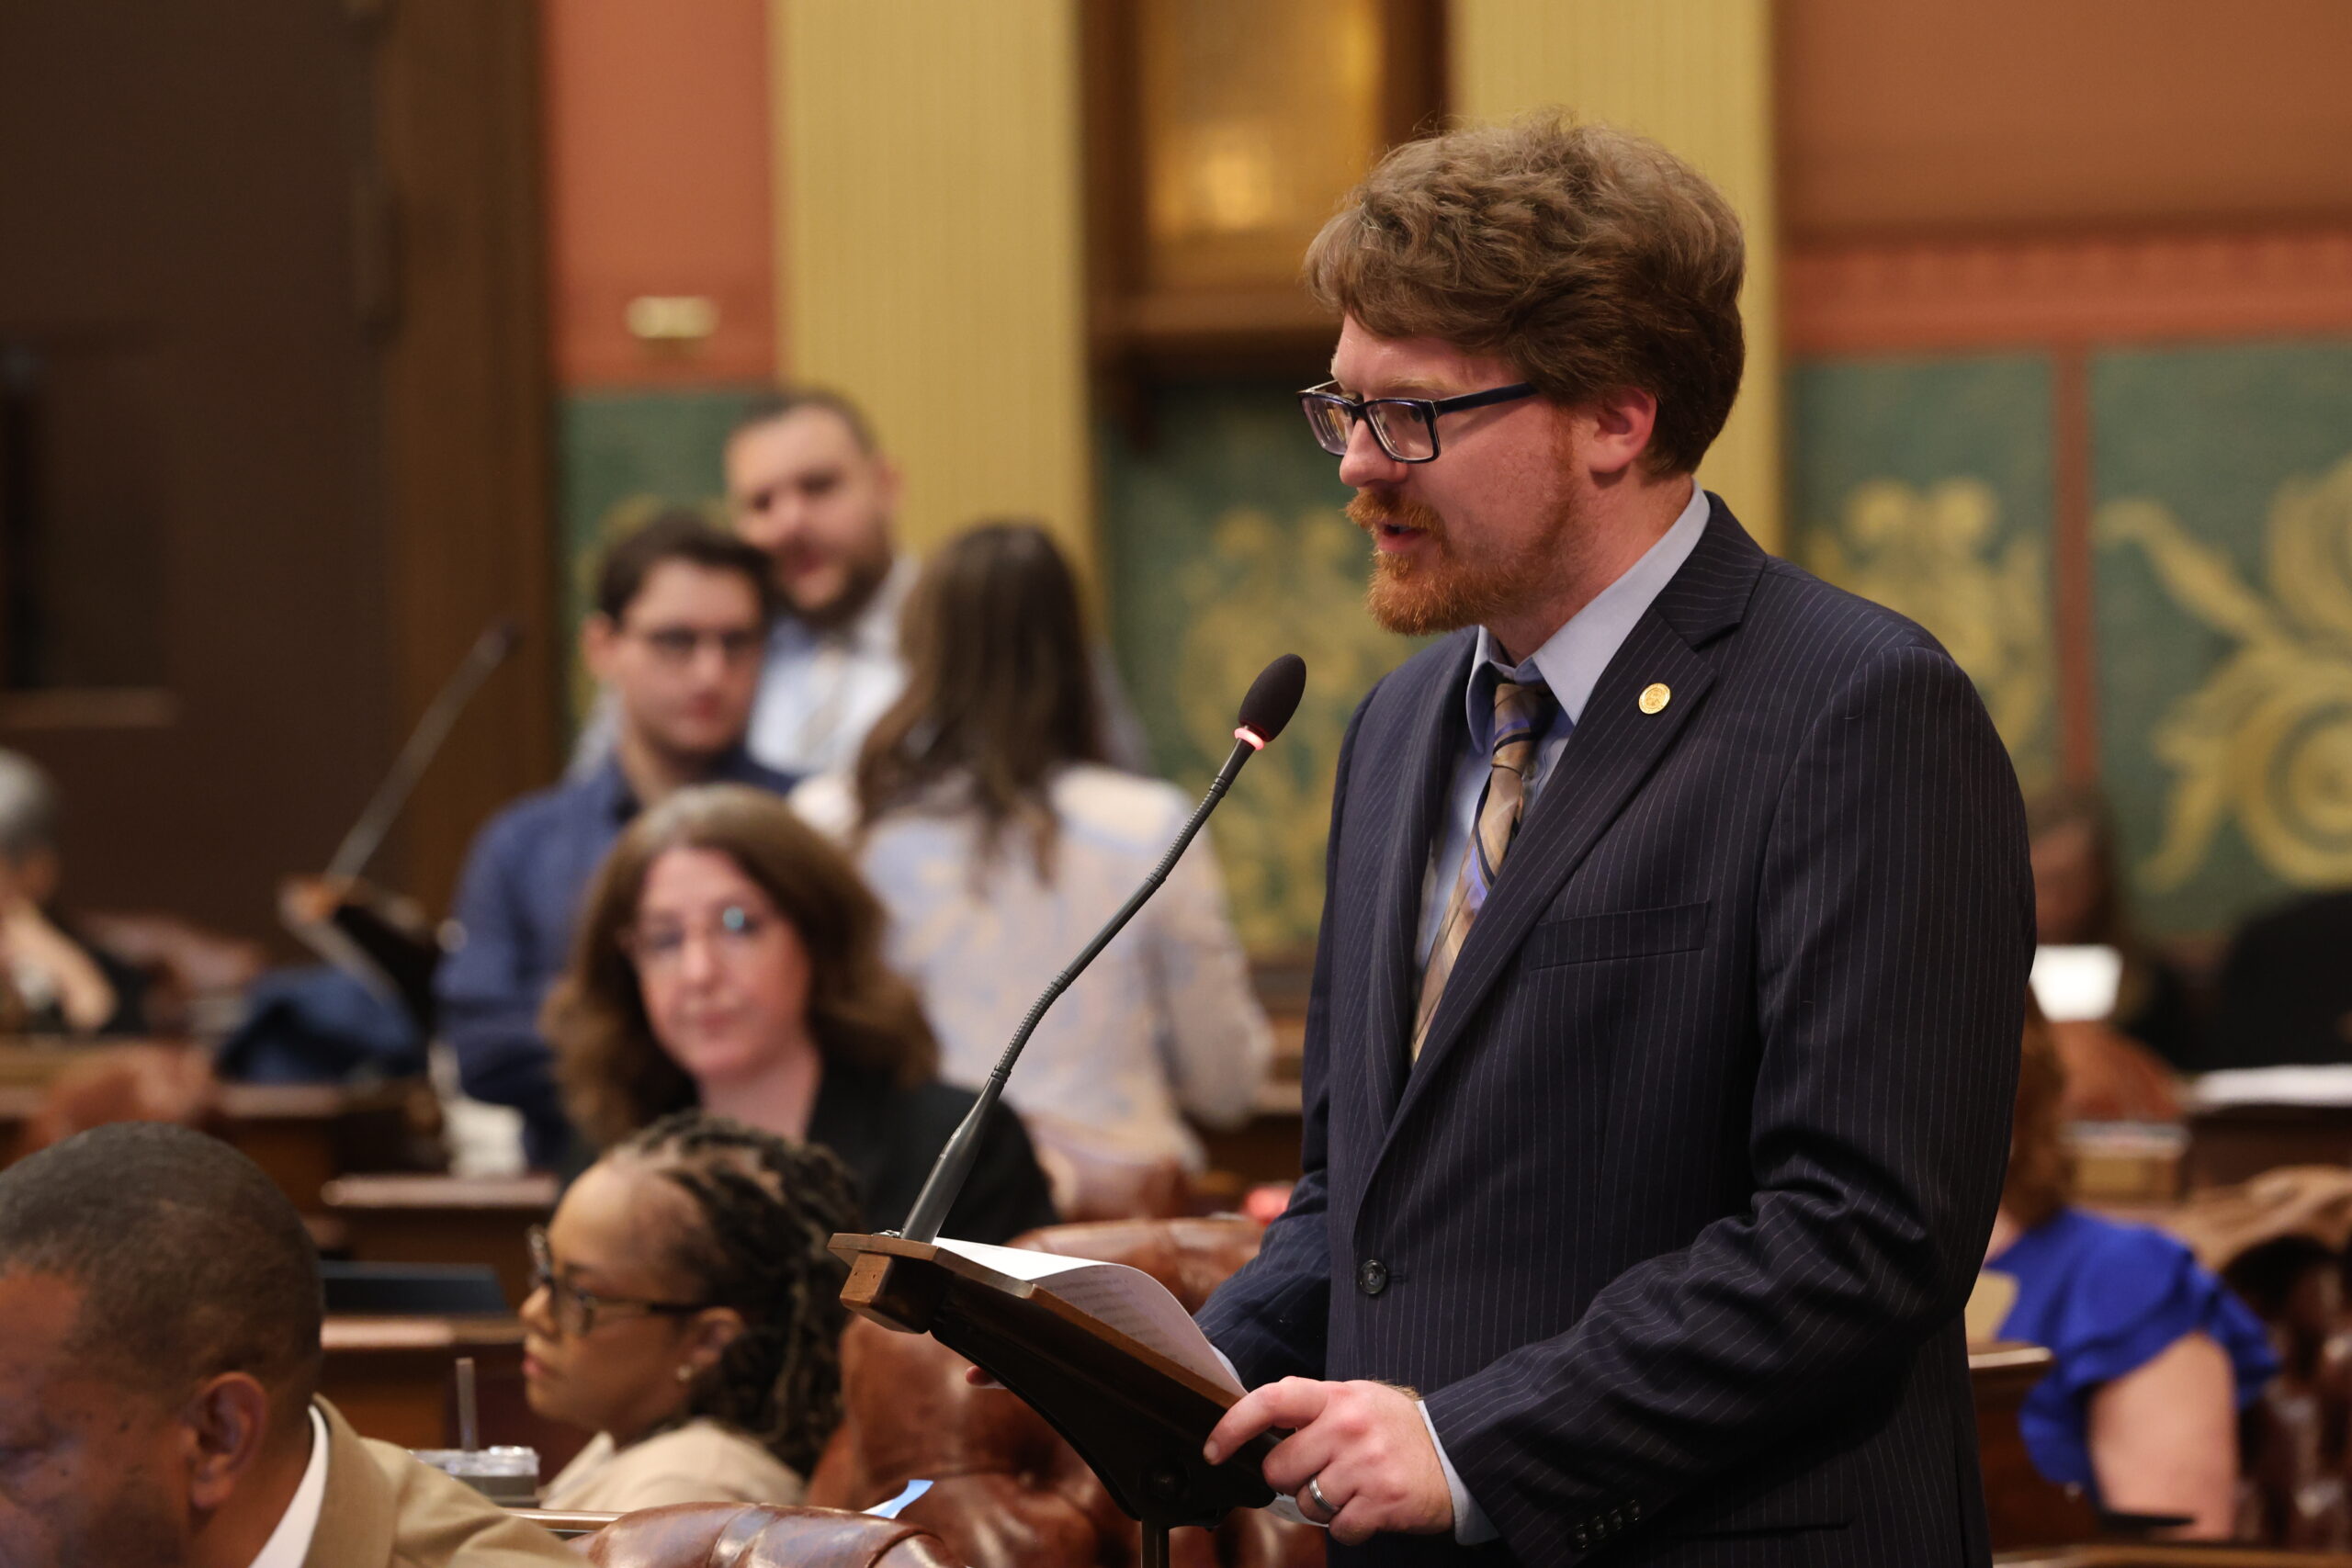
<point>1522,711</point>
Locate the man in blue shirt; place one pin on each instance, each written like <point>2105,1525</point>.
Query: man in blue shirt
<point>680,624</point>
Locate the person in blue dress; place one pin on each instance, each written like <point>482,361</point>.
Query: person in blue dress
<point>2155,1357</point>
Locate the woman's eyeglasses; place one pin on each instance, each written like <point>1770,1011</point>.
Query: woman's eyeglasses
<point>661,944</point>
<point>577,1312</point>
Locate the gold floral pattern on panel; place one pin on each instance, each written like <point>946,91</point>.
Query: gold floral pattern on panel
<point>1262,589</point>
<point>1933,554</point>
<point>2266,740</point>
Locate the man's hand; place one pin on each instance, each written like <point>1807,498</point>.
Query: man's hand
<point>1363,1443</point>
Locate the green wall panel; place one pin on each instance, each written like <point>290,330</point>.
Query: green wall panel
<point>625,455</point>
<point>2223,532</point>
<point>1925,485</point>
<point>1225,545</point>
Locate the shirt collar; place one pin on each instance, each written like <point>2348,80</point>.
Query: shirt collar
<point>290,1543</point>
<point>608,786</point>
<point>1572,660</point>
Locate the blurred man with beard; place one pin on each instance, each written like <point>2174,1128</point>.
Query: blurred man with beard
<point>681,621</point>
<point>1665,1011</point>
<point>808,486</point>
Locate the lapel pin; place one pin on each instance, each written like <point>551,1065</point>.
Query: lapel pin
<point>1655,697</point>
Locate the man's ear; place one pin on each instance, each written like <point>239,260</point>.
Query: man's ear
<point>599,639</point>
<point>1618,424</point>
<point>228,1425</point>
<point>888,485</point>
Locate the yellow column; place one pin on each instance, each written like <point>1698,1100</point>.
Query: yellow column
<point>930,245</point>
<point>1696,74</point>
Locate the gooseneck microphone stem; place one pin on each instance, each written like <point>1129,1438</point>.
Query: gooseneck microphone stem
<point>946,1180</point>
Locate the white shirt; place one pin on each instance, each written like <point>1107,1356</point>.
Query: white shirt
<point>1165,1020</point>
<point>290,1541</point>
<point>821,691</point>
<point>1571,662</point>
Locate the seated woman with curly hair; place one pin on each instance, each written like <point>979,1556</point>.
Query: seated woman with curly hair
<point>729,958</point>
<point>686,1312</point>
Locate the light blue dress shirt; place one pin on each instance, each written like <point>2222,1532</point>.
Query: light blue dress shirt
<point>1570,663</point>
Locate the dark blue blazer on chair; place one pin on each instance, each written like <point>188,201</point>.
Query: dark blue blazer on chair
<point>1673,1221</point>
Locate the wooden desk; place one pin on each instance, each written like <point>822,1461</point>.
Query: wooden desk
<point>395,1378</point>
<point>2236,1143</point>
<point>2024,1509</point>
<point>304,1136</point>
<point>443,1219</point>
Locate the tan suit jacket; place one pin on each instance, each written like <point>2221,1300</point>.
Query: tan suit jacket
<point>385,1508</point>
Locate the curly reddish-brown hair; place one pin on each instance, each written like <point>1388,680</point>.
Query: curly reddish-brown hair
<point>1591,258</point>
<point>615,1076</point>
<point>2041,1174</point>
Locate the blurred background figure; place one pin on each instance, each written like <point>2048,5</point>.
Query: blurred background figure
<point>985,815</point>
<point>684,1310</point>
<point>51,980</point>
<point>2122,1016</point>
<point>681,614</point>
<point>728,957</point>
<point>807,484</point>
<point>2155,1358</point>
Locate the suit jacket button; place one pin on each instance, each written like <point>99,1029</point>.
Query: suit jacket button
<point>1372,1276</point>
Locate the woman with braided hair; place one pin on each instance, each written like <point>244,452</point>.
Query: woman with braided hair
<point>686,1312</point>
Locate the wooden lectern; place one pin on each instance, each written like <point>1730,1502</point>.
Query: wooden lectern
<point>1136,1417</point>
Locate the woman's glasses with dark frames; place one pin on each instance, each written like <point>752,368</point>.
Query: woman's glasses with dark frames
<point>575,1310</point>
<point>1405,428</point>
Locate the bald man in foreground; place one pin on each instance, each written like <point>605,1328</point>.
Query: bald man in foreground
<point>159,1368</point>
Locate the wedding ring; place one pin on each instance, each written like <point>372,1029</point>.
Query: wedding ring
<point>1315,1490</point>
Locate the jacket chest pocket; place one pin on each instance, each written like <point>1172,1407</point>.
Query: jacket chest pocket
<point>1618,934</point>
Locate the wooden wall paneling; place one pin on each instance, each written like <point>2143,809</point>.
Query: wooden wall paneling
<point>660,183</point>
<point>179,207</point>
<point>1697,75</point>
<point>930,258</point>
<point>2002,116</point>
<point>467,408</point>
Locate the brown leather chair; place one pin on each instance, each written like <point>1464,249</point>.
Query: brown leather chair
<point>1008,1492</point>
<point>747,1535</point>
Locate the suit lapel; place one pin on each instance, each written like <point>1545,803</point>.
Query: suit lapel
<point>1422,772</point>
<point>1614,747</point>
<point>357,1517</point>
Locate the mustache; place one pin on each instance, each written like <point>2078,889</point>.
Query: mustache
<point>1374,508</point>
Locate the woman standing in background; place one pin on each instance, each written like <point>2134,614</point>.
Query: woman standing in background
<point>982,813</point>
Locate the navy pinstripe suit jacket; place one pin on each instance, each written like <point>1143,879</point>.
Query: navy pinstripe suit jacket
<point>1674,1218</point>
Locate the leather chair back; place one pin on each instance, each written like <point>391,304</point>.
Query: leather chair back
<point>1008,1492</point>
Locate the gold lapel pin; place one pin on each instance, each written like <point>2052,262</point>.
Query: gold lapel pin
<point>1655,697</point>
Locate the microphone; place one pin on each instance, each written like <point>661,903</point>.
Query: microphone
<point>1272,698</point>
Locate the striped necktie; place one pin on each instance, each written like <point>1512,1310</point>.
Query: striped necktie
<point>1522,712</point>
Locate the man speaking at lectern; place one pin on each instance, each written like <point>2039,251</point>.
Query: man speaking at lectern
<point>1674,946</point>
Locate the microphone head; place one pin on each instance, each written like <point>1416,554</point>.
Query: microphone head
<point>1273,697</point>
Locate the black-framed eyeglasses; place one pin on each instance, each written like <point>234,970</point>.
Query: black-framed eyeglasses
<point>576,1311</point>
<point>1405,428</point>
